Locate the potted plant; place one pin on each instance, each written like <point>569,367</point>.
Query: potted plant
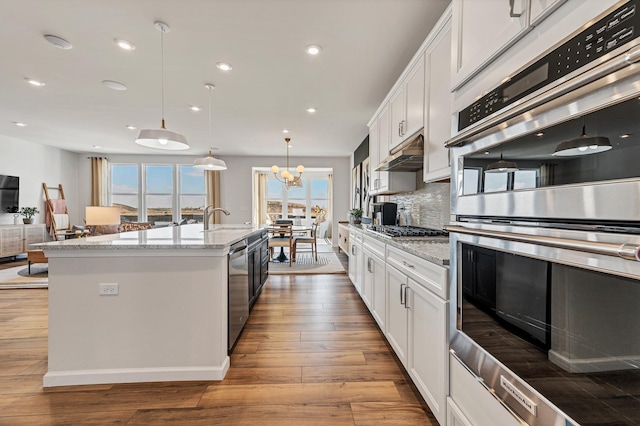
<point>28,213</point>
<point>356,215</point>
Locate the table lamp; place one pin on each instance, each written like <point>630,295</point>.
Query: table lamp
<point>297,214</point>
<point>102,217</point>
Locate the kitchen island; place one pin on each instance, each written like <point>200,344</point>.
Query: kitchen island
<point>140,306</point>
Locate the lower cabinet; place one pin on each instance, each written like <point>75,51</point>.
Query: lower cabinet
<point>356,260</point>
<point>15,239</point>
<point>343,238</point>
<point>374,294</point>
<point>455,417</point>
<point>418,333</point>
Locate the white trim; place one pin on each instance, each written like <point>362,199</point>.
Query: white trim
<point>594,365</point>
<point>135,375</point>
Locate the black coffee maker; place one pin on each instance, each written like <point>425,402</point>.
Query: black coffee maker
<point>385,213</point>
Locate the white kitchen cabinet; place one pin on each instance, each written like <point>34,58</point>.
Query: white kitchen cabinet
<point>455,416</point>
<point>438,103</point>
<point>407,106</point>
<point>385,182</point>
<point>428,350</point>
<point>540,9</point>
<point>356,259</point>
<point>374,292</point>
<point>397,317</point>
<point>482,30</point>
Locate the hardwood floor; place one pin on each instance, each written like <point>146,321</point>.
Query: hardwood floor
<point>310,354</point>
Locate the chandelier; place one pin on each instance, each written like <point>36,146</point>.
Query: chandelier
<point>286,177</point>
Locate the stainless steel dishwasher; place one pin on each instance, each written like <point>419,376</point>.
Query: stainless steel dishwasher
<point>238,290</point>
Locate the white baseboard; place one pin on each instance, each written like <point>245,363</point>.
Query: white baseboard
<point>134,375</point>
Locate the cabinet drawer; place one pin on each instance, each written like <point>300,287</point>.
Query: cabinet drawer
<point>355,236</point>
<point>427,274</point>
<point>374,246</point>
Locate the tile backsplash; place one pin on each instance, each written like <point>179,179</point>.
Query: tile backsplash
<point>429,204</point>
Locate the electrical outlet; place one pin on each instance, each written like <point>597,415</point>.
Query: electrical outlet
<point>108,289</point>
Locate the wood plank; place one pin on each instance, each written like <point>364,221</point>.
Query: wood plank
<point>251,334</point>
<point>307,414</point>
<point>367,334</point>
<point>305,326</point>
<point>297,359</point>
<point>360,373</point>
<point>383,413</point>
<point>314,319</point>
<point>250,375</point>
<point>303,393</point>
<point>321,346</point>
<point>95,418</point>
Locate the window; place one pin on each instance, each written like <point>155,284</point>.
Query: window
<point>170,193</point>
<point>305,202</point>
<point>123,190</point>
<point>494,182</point>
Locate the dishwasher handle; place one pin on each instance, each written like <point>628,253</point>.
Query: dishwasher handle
<point>236,249</point>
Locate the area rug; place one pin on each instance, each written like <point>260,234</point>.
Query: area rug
<point>18,277</point>
<point>328,263</point>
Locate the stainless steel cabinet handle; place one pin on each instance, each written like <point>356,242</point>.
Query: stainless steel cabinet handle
<point>402,123</point>
<point>408,265</point>
<point>400,128</point>
<point>369,265</point>
<point>511,12</point>
<point>353,250</point>
<point>402,293</point>
<point>625,251</point>
<point>406,304</point>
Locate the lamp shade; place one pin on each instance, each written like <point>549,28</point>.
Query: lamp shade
<point>583,145</point>
<point>95,215</point>
<point>502,166</point>
<point>162,139</point>
<point>209,163</point>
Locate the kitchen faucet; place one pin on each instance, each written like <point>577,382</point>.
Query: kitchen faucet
<point>207,213</point>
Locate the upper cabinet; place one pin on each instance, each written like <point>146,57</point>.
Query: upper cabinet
<point>407,105</point>
<point>482,30</point>
<point>438,103</point>
<point>540,9</point>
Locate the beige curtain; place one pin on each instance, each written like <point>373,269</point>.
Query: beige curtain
<point>212,197</point>
<point>330,208</point>
<point>99,181</point>
<point>260,200</point>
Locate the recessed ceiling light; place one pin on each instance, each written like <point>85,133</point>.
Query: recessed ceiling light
<point>97,146</point>
<point>194,108</point>
<point>34,82</point>
<point>58,42</point>
<point>224,66</point>
<point>311,110</point>
<point>19,124</point>
<point>285,130</point>
<point>124,44</point>
<point>486,153</point>
<point>540,134</point>
<point>624,135</point>
<point>131,127</point>
<point>114,85</point>
<point>313,49</point>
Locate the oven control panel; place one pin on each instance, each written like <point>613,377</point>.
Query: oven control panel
<point>595,41</point>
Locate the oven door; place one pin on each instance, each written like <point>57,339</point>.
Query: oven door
<point>549,320</point>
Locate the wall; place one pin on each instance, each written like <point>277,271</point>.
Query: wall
<point>236,181</point>
<point>429,204</point>
<point>35,164</point>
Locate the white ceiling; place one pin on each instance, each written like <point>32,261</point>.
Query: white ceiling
<point>365,46</point>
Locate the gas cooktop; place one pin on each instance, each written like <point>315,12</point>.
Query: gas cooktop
<point>392,231</point>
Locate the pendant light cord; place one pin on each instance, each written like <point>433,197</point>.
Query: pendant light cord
<point>162,71</point>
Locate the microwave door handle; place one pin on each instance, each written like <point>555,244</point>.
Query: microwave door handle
<point>626,251</point>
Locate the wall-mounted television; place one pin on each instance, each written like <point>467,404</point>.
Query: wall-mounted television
<point>9,194</point>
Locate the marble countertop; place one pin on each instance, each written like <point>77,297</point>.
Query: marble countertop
<point>172,237</point>
<point>433,249</point>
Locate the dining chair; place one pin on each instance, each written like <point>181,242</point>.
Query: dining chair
<point>311,239</point>
<point>282,236</point>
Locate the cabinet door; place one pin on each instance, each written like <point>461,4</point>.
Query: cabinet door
<point>397,103</point>
<point>455,416</point>
<point>352,259</point>
<point>437,120</point>
<point>540,9</point>
<point>374,155</point>
<point>33,234</point>
<point>367,280</point>
<point>481,31</point>
<point>11,241</point>
<point>397,313</point>
<point>414,113</point>
<point>379,305</point>
<point>428,347</point>
<point>383,146</point>
<point>359,268</point>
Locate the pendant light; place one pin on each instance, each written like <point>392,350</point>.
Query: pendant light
<point>286,177</point>
<point>502,166</point>
<point>209,162</point>
<point>583,145</point>
<point>162,138</point>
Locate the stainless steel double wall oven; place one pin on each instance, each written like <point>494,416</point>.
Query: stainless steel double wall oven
<point>545,231</point>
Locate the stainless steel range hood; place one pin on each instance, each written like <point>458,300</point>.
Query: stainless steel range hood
<point>407,157</point>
